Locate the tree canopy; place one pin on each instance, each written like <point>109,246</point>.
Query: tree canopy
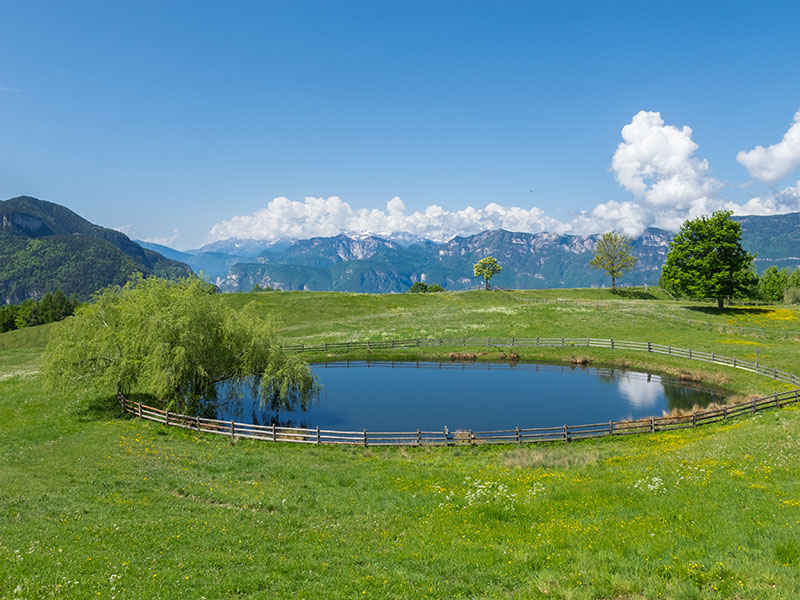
<point>706,260</point>
<point>174,341</point>
<point>420,287</point>
<point>486,268</point>
<point>612,254</point>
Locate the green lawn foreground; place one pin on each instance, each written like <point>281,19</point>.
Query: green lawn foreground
<point>98,504</point>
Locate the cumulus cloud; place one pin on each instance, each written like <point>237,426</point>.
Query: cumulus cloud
<point>655,162</point>
<point>778,160</point>
<point>784,201</point>
<point>283,218</point>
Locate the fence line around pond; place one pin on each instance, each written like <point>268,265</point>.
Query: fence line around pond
<point>518,435</point>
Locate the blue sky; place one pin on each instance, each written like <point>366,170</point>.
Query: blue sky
<point>169,119</point>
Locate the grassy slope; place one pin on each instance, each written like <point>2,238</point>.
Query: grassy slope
<point>97,503</point>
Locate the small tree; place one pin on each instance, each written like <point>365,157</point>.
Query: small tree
<point>486,268</point>
<point>612,254</point>
<point>706,260</point>
<point>773,283</point>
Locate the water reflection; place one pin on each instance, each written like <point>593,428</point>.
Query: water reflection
<point>392,396</point>
<point>640,392</point>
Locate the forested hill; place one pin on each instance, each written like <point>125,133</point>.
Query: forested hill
<point>46,247</point>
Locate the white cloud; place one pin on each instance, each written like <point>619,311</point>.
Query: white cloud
<point>784,201</point>
<point>777,161</point>
<point>655,162</point>
<point>283,218</point>
<point>126,229</point>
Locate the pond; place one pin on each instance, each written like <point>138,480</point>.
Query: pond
<point>395,396</point>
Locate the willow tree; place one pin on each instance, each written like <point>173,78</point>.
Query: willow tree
<point>174,341</point>
<point>612,254</point>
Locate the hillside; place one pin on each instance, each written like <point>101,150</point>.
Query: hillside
<point>96,499</point>
<point>45,247</point>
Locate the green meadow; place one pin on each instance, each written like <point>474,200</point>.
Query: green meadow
<point>97,504</point>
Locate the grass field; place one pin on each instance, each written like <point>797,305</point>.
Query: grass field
<point>96,504</point>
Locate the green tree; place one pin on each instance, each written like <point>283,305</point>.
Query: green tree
<point>706,260</point>
<point>173,341</point>
<point>420,287</point>
<point>773,283</point>
<point>486,268</point>
<point>612,254</point>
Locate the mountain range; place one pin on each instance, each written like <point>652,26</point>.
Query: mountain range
<point>45,247</point>
<point>530,260</point>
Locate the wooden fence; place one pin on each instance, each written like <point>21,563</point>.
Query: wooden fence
<point>518,435</point>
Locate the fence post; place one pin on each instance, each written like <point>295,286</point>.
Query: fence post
<point>612,343</point>
<point>753,405</point>
<point>166,421</point>
<point>652,424</point>
<point>273,432</point>
<point>365,438</point>
<point>694,419</point>
<point>734,362</point>
<point>669,349</point>
<point>611,428</point>
<point>566,433</point>
<point>140,410</point>
<point>777,404</point>
<point>725,412</point>
<point>537,340</point>
<point>470,437</point>
<point>317,435</point>
<point>197,423</point>
<point>690,354</point>
<point>419,438</point>
<point>712,357</point>
<point>518,440</point>
<point>446,435</point>
<point>488,341</point>
<point>512,340</point>
<point>233,429</point>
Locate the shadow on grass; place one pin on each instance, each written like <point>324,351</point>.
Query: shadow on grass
<point>732,311</point>
<point>634,294</point>
<point>107,408</point>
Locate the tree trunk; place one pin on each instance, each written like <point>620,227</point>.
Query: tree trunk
<point>720,303</point>
<point>613,283</point>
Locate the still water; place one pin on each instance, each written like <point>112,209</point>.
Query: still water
<point>479,396</point>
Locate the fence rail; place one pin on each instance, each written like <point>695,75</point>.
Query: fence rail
<point>445,437</point>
